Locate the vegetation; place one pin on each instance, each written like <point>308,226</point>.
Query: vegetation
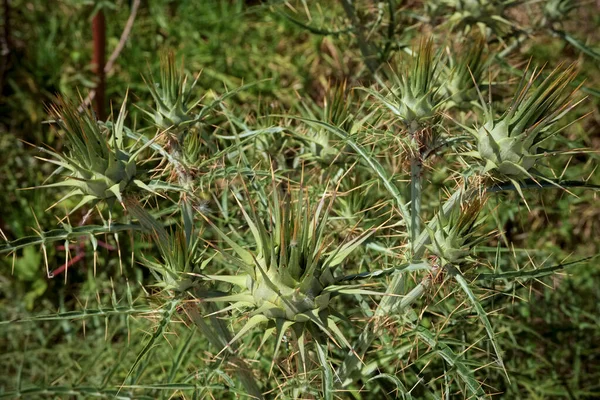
<point>291,199</point>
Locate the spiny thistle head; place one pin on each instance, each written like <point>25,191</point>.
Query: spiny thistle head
<point>412,97</point>
<point>464,73</point>
<point>173,104</point>
<point>337,108</point>
<point>193,147</point>
<point>510,145</point>
<point>454,237</point>
<point>178,259</point>
<point>290,272</point>
<point>271,141</point>
<point>337,112</point>
<point>97,164</point>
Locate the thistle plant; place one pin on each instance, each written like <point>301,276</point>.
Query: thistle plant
<point>412,95</point>
<point>464,72</point>
<point>97,164</point>
<point>174,107</point>
<point>510,145</point>
<point>177,260</point>
<point>348,251</point>
<point>291,277</point>
<point>457,234</point>
<point>414,100</point>
<point>336,111</point>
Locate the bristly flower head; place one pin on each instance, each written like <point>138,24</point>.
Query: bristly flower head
<point>173,104</point>
<point>290,273</point>
<point>413,95</point>
<point>178,258</point>
<point>464,72</point>
<point>97,164</point>
<point>455,236</point>
<point>509,145</point>
<point>337,112</point>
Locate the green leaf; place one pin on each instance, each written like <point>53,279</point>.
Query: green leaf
<point>481,313</point>
<point>371,162</point>
<point>344,251</point>
<point>244,255</point>
<point>169,309</point>
<point>252,322</point>
<point>327,384</point>
<point>454,360</point>
<point>182,354</point>
<point>404,393</point>
<point>45,238</point>
<point>523,275</point>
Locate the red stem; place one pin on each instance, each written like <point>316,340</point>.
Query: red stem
<point>72,261</point>
<point>98,62</point>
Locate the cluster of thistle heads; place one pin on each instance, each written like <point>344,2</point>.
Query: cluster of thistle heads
<point>288,273</point>
<point>509,145</point>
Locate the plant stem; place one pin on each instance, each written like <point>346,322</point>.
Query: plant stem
<point>99,33</point>
<point>219,337</point>
<point>416,165</point>
<point>115,54</point>
<point>387,306</point>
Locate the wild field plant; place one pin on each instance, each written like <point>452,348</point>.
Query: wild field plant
<point>349,247</point>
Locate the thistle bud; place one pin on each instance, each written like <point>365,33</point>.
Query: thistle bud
<point>289,279</point>
<point>510,145</point>
<point>455,236</point>
<point>173,107</point>
<point>337,112</point>
<point>413,98</point>
<point>465,71</point>
<point>97,165</point>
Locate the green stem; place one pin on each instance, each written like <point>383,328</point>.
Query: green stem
<point>536,185</point>
<point>388,305</point>
<point>575,43</point>
<point>55,235</point>
<point>219,337</point>
<point>416,166</point>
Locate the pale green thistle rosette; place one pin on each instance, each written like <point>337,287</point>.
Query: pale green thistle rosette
<point>173,104</point>
<point>290,274</point>
<point>509,146</point>
<point>455,236</point>
<point>413,94</point>
<point>96,164</point>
